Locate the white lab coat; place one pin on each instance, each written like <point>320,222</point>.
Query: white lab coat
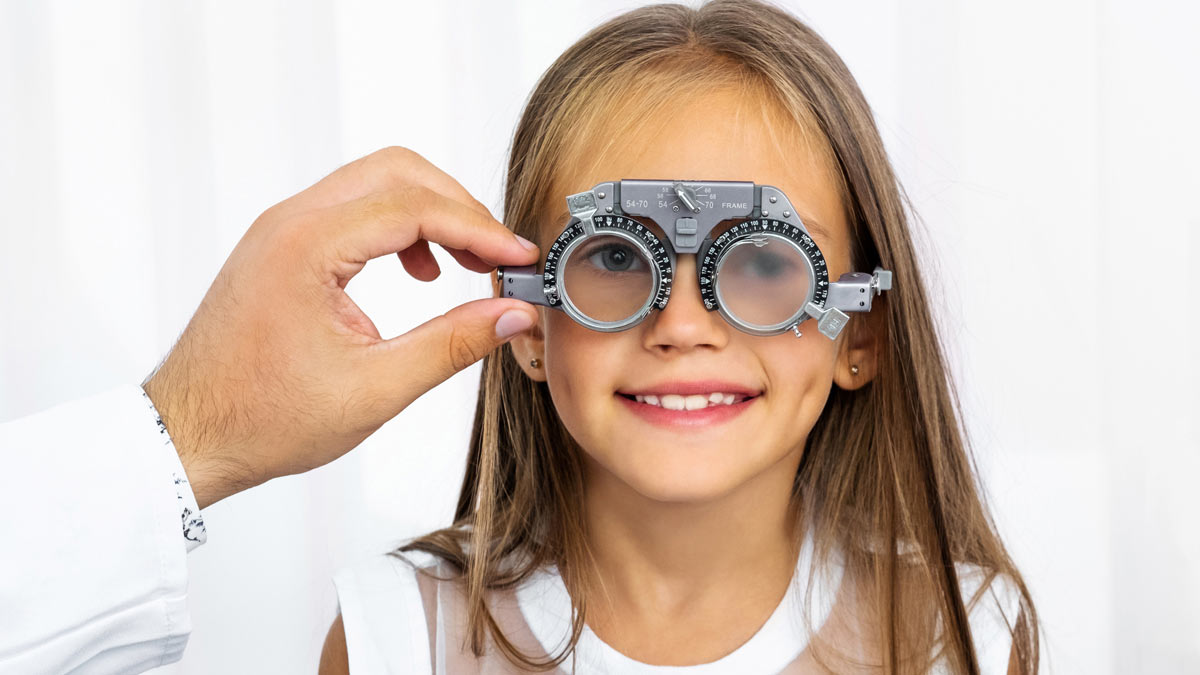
<point>93,561</point>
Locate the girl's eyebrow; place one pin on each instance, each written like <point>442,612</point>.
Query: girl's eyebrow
<point>814,226</point>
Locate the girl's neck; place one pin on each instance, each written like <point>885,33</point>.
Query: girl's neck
<point>662,563</point>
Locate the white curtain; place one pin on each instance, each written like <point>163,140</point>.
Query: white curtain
<point>1050,149</point>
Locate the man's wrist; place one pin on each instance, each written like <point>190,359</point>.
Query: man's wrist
<point>210,479</point>
<point>191,521</point>
<point>213,481</point>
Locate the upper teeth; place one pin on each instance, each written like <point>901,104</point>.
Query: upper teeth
<point>693,402</point>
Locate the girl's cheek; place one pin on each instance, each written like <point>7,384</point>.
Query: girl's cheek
<point>579,363</point>
<point>797,370</point>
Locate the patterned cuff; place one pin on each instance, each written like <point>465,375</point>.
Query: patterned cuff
<point>194,532</point>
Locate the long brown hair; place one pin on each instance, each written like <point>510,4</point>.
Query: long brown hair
<point>887,475</point>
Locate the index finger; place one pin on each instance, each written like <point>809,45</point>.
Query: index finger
<point>387,169</point>
<point>391,221</point>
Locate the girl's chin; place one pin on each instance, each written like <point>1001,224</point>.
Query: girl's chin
<point>683,472</point>
<point>681,492</point>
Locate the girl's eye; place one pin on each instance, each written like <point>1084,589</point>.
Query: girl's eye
<point>765,265</point>
<point>614,258</point>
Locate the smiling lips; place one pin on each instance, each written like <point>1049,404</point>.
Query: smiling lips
<point>681,417</point>
<point>692,402</point>
<point>691,396</point>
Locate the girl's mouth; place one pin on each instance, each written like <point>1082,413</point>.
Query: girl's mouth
<point>690,402</point>
<point>695,410</point>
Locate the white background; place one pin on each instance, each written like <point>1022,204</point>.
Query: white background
<point>1050,147</point>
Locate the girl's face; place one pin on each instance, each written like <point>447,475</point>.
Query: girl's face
<point>688,456</point>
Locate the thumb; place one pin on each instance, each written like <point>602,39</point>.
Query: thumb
<point>411,364</point>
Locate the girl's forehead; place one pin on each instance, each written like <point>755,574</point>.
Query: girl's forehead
<point>719,135</point>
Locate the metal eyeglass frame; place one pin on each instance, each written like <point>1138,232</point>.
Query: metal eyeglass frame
<point>695,208</point>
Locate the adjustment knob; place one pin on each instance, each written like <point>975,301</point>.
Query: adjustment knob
<point>687,195</point>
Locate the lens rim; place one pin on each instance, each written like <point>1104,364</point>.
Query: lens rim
<point>755,329</point>
<point>577,314</point>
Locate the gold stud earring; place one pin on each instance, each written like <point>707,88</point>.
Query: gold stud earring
<point>854,370</point>
<point>535,363</point>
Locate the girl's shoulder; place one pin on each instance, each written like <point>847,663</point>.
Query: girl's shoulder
<point>405,611</point>
<point>992,600</point>
<point>383,611</point>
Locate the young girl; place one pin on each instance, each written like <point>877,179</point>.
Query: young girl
<point>828,520</point>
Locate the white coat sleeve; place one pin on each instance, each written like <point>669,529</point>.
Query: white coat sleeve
<point>96,519</point>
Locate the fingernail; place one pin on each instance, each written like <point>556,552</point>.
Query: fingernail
<point>529,245</point>
<point>512,322</point>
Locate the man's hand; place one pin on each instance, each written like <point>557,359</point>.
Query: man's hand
<point>279,371</point>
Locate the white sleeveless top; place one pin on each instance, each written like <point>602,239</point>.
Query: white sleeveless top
<point>401,622</point>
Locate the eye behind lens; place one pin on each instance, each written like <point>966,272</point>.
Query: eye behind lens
<point>762,279</point>
<point>614,258</point>
<point>609,277</point>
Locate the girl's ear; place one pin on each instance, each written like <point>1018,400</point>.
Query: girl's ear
<point>528,345</point>
<point>531,345</point>
<point>858,355</point>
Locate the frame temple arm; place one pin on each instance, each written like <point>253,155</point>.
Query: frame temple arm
<point>853,291</point>
<point>523,283</point>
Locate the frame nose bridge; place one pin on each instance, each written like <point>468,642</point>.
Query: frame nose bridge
<point>685,282</point>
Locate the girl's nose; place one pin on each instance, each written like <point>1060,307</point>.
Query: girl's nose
<point>684,323</point>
